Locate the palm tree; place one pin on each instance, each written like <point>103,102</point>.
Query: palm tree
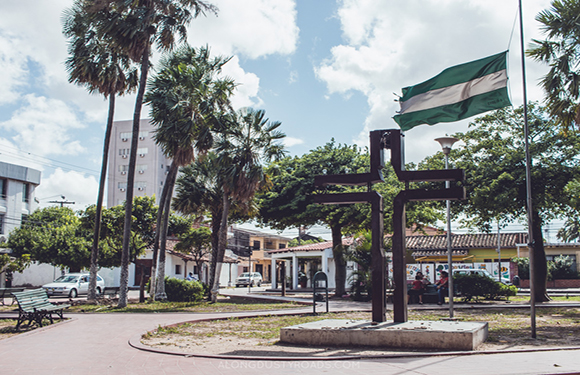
<point>560,50</point>
<point>135,27</point>
<point>185,98</point>
<point>94,64</point>
<point>198,193</point>
<point>243,147</point>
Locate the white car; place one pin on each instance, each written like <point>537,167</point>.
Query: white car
<point>73,284</point>
<point>249,278</point>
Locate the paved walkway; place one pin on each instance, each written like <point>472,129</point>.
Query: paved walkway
<point>98,344</point>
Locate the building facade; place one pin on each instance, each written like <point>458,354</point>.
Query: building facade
<point>17,201</point>
<point>17,186</point>
<point>151,165</point>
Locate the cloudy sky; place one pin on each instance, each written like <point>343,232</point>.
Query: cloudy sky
<point>325,69</point>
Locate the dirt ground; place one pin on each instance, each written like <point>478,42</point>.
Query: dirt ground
<point>206,338</point>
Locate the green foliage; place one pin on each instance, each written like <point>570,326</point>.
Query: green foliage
<point>179,290</point>
<point>52,235</point>
<point>179,225</point>
<point>361,279</point>
<point>523,267</point>
<point>474,286</point>
<point>493,158</point>
<point>562,267</point>
<point>112,226</point>
<point>560,52</point>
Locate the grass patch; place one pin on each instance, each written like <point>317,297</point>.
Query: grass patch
<point>159,307</point>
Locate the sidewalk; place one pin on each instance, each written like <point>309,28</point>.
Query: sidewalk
<point>98,344</point>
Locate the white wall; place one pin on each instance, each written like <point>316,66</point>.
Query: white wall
<point>37,274</point>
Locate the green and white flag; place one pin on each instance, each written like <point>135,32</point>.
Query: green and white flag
<point>456,93</point>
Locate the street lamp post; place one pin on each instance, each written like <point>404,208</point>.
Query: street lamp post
<point>446,144</point>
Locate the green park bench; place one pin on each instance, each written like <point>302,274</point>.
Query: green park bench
<point>33,305</point>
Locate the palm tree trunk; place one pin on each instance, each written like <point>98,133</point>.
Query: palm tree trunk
<point>339,261</point>
<point>124,283</point>
<point>92,295</point>
<point>215,239</point>
<point>158,226</point>
<point>160,290</point>
<point>221,247</point>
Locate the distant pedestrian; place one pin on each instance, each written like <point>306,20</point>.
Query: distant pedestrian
<point>443,287</point>
<point>189,277</point>
<point>417,289</point>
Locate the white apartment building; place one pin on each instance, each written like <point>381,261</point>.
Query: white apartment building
<point>17,186</point>
<point>151,165</point>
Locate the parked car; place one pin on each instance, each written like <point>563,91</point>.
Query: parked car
<point>249,278</point>
<point>72,284</point>
<point>481,272</point>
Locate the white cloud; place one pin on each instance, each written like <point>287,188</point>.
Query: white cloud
<point>292,141</point>
<point>74,186</point>
<point>389,47</point>
<point>14,69</point>
<point>251,28</point>
<point>41,126</point>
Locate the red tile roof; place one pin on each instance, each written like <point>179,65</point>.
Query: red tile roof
<point>466,241</point>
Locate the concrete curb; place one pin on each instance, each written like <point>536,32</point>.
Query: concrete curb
<point>135,342</point>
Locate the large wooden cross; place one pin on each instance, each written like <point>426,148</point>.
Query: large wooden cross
<point>381,140</point>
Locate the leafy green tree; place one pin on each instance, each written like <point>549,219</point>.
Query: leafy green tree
<point>52,235</point>
<point>494,162</point>
<point>243,146</point>
<point>290,201</point>
<point>95,64</point>
<point>111,237</point>
<point>571,228</point>
<point>195,242</point>
<point>135,27</point>
<point>560,50</point>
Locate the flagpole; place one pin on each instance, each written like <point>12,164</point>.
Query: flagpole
<point>528,182</point>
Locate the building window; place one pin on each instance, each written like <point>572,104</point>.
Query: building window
<point>281,246</point>
<point>125,136</point>
<point>141,168</point>
<point>140,185</point>
<point>256,245</point>
<point>178,269</point>
<point>142,151</point>
<point>25,193</point>
<point>3,188</point>
<point>1,224</point>
<point>124,151</point>
<point>122,185</point>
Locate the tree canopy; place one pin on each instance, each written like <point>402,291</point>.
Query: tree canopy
<point>493,158</point>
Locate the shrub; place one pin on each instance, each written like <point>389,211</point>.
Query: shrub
<point>562,267</point>
<point>180,290</point>
<point>473,286</point>
<point>523,267</point>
